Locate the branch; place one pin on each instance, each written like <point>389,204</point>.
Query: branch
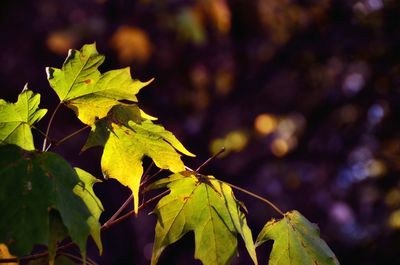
<point>71,135</point>
<point>255,196</point>
<point>115,215</point>
<point>248,193</point>
<point>49,125</point>
<point>76,258</point>
<point>125,216</point>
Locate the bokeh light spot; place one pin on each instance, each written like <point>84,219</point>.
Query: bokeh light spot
<point>394,220</point>
<point>236,141</point>
<point>59,42</point>
<point>392,199</point>
<point>279,147</point>
<point>131,44</point>
<point>265,124</point>
<point>216,146</point>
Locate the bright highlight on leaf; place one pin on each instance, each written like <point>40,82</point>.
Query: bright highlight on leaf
<point>127,139</point>
<point>81,87</point>
<point>209,209</point>
<point>296,242</point>
<point>32,184</point>
<point>16,119</point>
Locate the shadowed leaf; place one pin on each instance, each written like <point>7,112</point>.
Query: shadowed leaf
<point>32,184</point>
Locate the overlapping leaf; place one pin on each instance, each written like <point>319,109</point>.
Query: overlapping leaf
<point>210,210</point>
<point>127,138</point>
<point>84,189</point>
<point>32,184</point>
<point>17,118</point>
<point>81,86</point>
<point>296,242</point>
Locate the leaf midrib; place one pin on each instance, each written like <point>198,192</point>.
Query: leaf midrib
<point>75,78</point>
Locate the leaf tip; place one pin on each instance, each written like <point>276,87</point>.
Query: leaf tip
<point>25,88</point>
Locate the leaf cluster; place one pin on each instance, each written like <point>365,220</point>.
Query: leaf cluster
<point>44,200</point>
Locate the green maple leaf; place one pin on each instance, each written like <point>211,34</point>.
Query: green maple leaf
<point>210,210</point>
<point>84,189</point>
<point>127,138</point>
<point>57,232</point>
<point>16,119</point>
<point>32,185</point>
<point>81,87</point>
<point>296,242</point>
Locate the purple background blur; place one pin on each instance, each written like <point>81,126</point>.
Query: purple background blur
<point>304,94</point>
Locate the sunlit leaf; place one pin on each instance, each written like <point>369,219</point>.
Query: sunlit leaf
<point>32,184</point>
<point>127,139</point>
<point>296,242</point>
<point>81,87</point>
<point>209,209</point>
<point>84,189</point>
<point>16,119</point>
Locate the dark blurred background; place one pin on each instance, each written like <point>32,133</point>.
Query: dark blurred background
<point>304,94</point>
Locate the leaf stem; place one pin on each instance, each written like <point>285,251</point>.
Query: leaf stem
<point>57,143</point>
<point>125,216</point>
<point>126,203</point>
<point>49,125</point>
<point>210,159</point>
<point>255,196</point>
<point>146,173</point>
<point>150,178</point>
<point>76,258</point>
<point>41,132</point>
<point>118,212</point>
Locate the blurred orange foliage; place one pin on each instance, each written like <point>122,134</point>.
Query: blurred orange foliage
<point>131,44</point>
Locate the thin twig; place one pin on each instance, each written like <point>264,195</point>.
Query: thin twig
<point>151,177</point>
<point>125,216</point>
<point>49,125</point>
<point>126,203</point>
<point>118,212</point>
<point>41,132</point>
<point>71,135</point>
<point>251,194</point>
<point>255,196</point>
<point>145,174</point>
<point>76,258</point>
<point>210,159</point>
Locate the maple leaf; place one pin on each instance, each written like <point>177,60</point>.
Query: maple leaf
<point>84,189</point>
<point>81,87</point>
<point>209,209</point>
<point>16,119</point>
<point>127,138</point>
<point>296,242</point>
<point>32,185</point>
